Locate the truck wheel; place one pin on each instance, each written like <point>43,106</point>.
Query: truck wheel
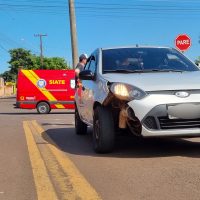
<point>43,108</point>
<point>103,130</point>
<point>80,127</point>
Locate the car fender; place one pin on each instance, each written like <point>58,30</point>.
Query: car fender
<point>103,90</point>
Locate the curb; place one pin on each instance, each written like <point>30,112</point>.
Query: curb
<point>8,97</point>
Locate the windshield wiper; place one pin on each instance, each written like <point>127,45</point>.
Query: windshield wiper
<point>142,71</point>
<point>165,70</point>
<point>124,71</point>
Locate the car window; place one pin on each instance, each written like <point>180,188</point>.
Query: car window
<point>93,64</point>
<point>145,59</point>
<point>175,62</point>
<point>87,64</point>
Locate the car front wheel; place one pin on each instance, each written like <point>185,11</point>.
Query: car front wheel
<point>80,127</point>
<point>103,130</point>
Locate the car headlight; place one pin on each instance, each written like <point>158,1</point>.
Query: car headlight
<point>127,92</point>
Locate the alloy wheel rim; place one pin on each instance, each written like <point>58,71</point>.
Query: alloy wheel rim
<point>42,109</point>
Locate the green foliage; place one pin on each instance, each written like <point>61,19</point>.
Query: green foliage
<point>24,59</point>
<point>19,58</point>
<point>49,63</point>
<point>8,76</point>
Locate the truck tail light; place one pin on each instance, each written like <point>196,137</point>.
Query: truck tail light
<point>72,83</point>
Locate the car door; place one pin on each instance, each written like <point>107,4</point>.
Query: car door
<point>88,91</point>
<point>80,94</point>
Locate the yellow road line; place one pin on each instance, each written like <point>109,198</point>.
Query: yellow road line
<point>58,176</point>
<point>80,185</point>
<point>44,187</point>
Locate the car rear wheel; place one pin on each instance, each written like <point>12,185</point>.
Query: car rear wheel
<point>80,127</point>
<point>103,130</point>
<point>43,108</point>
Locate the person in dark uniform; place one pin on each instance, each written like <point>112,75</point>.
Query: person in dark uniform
<point>80,66</point>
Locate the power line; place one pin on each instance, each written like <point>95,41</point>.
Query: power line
<point>30,45</point>
<point>150,8</point>
<point>104,6</point>
<point>2,47</point>
<point>14,44</point>
<point>6,39</point>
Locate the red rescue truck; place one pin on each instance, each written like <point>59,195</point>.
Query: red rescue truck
<point>45,90</point>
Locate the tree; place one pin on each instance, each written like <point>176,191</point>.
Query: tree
<point>7,76</point>
<point>49,63</point>
<point>22,58</point>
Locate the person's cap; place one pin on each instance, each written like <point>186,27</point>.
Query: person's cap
<point>83,56</point>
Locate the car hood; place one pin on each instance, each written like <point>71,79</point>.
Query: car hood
<point>158,81</point>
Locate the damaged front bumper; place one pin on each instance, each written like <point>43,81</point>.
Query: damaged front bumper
<point>168,115</point>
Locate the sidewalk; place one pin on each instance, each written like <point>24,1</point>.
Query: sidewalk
<point>8,97</point>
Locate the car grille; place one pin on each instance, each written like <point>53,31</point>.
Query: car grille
<point>166,123</point>
<point>150,123</point>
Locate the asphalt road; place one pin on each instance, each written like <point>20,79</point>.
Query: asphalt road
<point>147,169</point>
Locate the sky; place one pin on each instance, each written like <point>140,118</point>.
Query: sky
<point>100,23</point>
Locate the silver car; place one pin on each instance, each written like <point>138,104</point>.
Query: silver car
<point>149,91</point>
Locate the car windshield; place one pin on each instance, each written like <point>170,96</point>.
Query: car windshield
<point>136,60</point>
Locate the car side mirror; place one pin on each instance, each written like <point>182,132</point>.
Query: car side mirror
<point>86,75</point>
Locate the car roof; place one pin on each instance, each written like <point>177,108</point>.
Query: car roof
<point>135,46</point>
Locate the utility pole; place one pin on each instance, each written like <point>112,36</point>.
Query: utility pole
<point>41,48</point>
<point>73,32</point>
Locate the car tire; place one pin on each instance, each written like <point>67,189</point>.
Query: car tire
<point>103,130</point>
<point>43,108</point>
<point>80,126</point>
